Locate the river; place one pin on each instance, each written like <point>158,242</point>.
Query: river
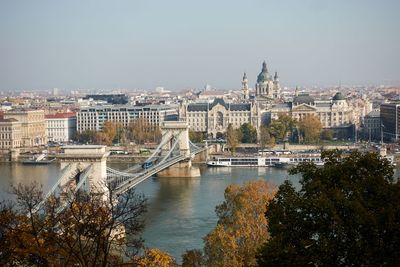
<point>181,211</point>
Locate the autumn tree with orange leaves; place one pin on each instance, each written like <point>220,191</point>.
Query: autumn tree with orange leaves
<point>76,229</point>
<point>241,228</point>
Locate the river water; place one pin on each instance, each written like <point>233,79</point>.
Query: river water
<point>180,210</point>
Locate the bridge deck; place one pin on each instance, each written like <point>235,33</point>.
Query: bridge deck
<point>140,177</point>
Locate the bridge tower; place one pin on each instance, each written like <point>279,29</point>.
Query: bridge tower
<point>88,160</point>
<point>178,130</point>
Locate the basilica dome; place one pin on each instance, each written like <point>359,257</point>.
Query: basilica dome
<point>338,96</point>
<point>264,75</point>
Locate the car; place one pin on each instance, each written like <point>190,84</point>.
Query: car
<point>147,164</point>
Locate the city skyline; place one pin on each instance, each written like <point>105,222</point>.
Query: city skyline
<point>179,45</point>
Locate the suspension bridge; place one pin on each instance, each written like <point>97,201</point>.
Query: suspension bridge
<point>83,167</point>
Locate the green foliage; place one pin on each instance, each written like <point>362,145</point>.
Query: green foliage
<point>327,134</point>
<point>249,133</point>
<point>196,137</point>
<point>87,136</point>
<point>282,126</point>
<point>346,213</point>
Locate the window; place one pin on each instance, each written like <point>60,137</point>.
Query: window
<point>220,119</point>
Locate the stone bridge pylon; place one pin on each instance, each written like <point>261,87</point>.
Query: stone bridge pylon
<point>84,161</point>
<point>178,131</point>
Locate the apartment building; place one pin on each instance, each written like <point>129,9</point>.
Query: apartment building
<point>33,126</point>
<point>10,133</point>
<point>61,127</point>
<point>93,118</point>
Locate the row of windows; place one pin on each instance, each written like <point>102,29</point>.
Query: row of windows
<point>8,144</point>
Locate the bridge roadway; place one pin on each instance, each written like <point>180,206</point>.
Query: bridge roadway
<point>140,177</point>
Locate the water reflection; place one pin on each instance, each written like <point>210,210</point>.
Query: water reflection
<point>12,174</point>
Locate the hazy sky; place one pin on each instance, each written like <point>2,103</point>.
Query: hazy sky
<point>188,43</point>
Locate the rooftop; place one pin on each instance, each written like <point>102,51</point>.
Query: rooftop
<point>303,99</point>
<point>8,120</point>
<point>61,115</point>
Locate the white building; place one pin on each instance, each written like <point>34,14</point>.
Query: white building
<point>61,127</point>
<point>10,133</point>
<point>93,118</point>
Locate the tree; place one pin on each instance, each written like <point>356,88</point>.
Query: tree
<point>73,229</point>
<point>265,138</point>
<point>346,213</point>
<point>193,258</point>
<point>109,132</point>
<point>139,130</point>
<point>196,137</point>
<point>280,127</point>
<point>232,138</point>
<point>155,258</point>
<point>87,136</point>
<point>310,129</point>
<point>249,133</point>
<point>241,226</point>
<point>327,134</point>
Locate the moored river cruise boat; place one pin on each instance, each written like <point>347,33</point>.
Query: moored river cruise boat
<point>269,161</point>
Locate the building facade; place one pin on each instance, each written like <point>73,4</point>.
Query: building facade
<point>390,116</point>
<point>93,118</point>
<point>333,113</point>
<point>214,118</point>
<point>33,126</point>
<point>10,134</point>
<point>372,124</point>
<point>61,127</point>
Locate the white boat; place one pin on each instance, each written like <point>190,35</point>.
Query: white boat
<point>39,159</point>
<point>269,161</point>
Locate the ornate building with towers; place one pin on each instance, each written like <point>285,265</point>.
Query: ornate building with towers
<point>265,103</point>
<point>267,86</point>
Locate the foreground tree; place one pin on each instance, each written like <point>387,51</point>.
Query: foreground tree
<point>345,214</point>
<point>77,229</point>
<point>155,258</point>
<point>193,258</point>
<point>241,226</point>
